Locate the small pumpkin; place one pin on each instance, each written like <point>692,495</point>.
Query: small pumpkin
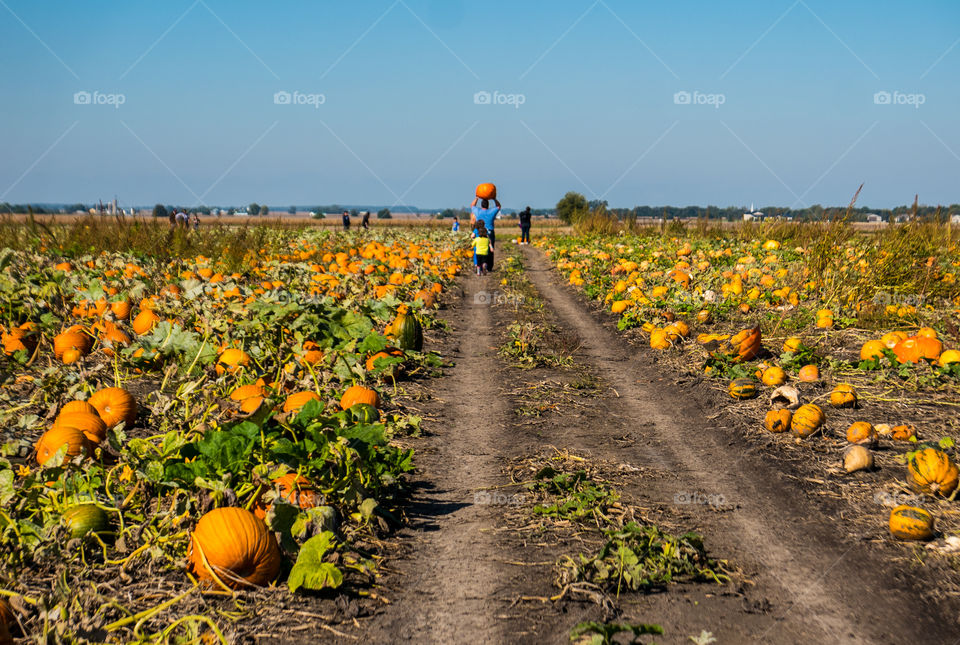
<point>145,321</point>
<point>809,373</point>
<point>777,420</point>
<point>746,344</point>
<point>55,438</point>
<point>82,519</point>
<point>890,339</point>
<point>358,394</point>
<point>871,350</point>
<point>911,523</point>
<point>743,388</point>
<point>807,420</point>
<point>843,396</point>
<point>862,433</point>
<point>234,546</point>
<point>932,472</point>
<point>857,457</point>
<point>949,357</point>
<point>903,432</point>
<point>232,360</point>
<point>774,376</point>
<point>792,344</point>
<point>115,405</point>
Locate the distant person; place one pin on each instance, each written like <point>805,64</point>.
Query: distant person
<point>481,246</point>
<point>483,213</point>
<point>173,217</point>
<point>181,218</point>
<point>346,220</point>
<point>365,222</point>
<point>525,219</point>
<point>456,224</point>
<point>196,221</point>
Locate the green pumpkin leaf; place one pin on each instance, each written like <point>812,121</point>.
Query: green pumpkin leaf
<point>310,571</point>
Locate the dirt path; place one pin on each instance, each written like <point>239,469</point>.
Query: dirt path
<point>469,573</point>
<point>449,582</point>
<point>820,588</point>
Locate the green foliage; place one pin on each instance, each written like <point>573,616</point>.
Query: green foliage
<point>594,633</point>
<point>572,207</point>
<point>311,571</point>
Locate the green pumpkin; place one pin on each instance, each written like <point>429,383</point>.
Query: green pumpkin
<point>408,331</point>
<point>743,388</point>
<point>85,518</point>
<point>364,413</point>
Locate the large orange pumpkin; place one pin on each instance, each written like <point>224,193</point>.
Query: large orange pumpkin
<point>918,348</point>
<point>115,405</point>
<point>236,547</point>
<point>55,438</point>
<point>231,360</point>
<point>487,191</point>
<point>71,344</point>
<point>89,423</point>
<point>359,394</point>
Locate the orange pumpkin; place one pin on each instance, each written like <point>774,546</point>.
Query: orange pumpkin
<point>145,321</point>
<point>55,438</point>
<point>918,348</point>
<point>862,433</point>
<point>746,344</point>
<point>778,420</point>
<point>296,401</point>
<point>89,423</point>
<point>932,472</point>
<point>234,546</point>
<point>487,191</point>
<point>843,396</point>
<point>71,344</point>
<point>359,394</point>
<point>809,373</point>
<point>120,309</point>
<point>872,349</point>
<point>231,360</point>
<point>807,420</point>
<point>903,432</point>
<point>114,405</point>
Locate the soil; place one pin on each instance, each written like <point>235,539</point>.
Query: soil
<point>471,569</point>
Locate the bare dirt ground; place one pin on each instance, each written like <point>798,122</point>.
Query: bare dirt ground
<point>472,571</point>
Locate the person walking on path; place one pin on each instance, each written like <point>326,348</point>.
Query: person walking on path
<point>525,220</point>
<point>481,246</point>
<point>346,220</point>
<point>365,222</point>
<point>483,213</point>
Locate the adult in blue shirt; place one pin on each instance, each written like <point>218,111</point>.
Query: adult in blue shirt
<point>488,216</point>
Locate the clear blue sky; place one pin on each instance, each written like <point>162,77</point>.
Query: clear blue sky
<point>798,124</point>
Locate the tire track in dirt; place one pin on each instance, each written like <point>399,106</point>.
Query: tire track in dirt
<point>449,589</point>
<point>822,589</point>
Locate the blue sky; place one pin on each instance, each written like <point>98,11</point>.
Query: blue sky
<point>387,102</point>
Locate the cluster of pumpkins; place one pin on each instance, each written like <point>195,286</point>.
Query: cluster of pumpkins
<point>925,345</point>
